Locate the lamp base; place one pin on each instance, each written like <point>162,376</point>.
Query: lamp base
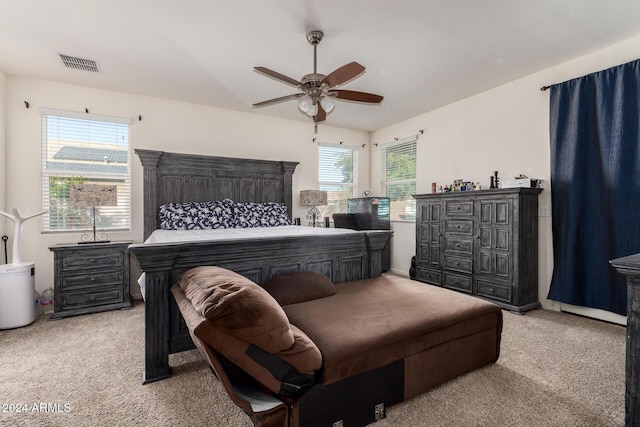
<point>313,215</point>
<point>92,236</point>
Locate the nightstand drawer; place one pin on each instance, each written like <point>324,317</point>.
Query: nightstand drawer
<point>91,258</point>
<point>98,279</point>
<point>78,300</point>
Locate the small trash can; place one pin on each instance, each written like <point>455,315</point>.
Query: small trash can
<point>17,283</point>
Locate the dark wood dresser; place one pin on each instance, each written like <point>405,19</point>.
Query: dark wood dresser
<point>629,267</point>
<point>89,278</point>
<point>484,243</point>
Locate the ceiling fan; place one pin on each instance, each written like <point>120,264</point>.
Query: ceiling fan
<point>318,91</point>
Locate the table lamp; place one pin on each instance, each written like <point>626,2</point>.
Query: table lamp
<point>90,196</point>
<point>313,198</point>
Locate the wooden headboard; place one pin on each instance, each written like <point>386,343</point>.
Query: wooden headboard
<point>177,178</point>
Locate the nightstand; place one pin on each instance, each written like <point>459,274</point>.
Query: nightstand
<point>89,278</point>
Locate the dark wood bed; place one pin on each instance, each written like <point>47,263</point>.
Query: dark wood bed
<point>173,177</point>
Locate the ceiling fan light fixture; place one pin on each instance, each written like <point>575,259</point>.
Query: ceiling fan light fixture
<point>313,110</point>
<point>327,105</point>
<point>304,104</point>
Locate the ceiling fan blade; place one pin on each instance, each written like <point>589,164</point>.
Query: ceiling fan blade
<point>352,95</point>
<point>343,74</point>
<point>280,77</point>
<point>277,100</point>
<point>321,115</point>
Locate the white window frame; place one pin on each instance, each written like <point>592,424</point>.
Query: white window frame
<point>401,210</point>
<point>88,171</point>
<point>337,205</point>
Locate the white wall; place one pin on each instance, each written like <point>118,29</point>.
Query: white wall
<point>504,129</point>
<point>166,125</point>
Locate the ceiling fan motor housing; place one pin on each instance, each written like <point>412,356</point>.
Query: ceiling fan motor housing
<point>314,37</point>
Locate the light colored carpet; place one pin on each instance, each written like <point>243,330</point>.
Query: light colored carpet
<point>555,369</point>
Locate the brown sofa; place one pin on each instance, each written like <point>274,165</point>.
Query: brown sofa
<point>301,351</point>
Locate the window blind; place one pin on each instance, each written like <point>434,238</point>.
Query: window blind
<point>84,149</point>
<point>398,171</point>
<point>337,175</point>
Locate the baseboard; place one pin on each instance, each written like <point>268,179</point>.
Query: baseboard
<point>397,272</point>
<point>594,313</point>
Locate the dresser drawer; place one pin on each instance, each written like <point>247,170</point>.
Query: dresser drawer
<point>491,290</point>
<point>459,226</point>
<point>82,299</point>
<point>97,279</point>
<point>459,208</point>
<point>429,276</point>
<point>458,282</point>
<point>90,259</point>
<point>459,244</point>
<point>461,264</point>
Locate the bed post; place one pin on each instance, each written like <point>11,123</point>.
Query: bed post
<point>287,171</point>
<point>150,160</point>
<point>157,266</point>
<point>376,241</point>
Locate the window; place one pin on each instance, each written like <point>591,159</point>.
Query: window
<point>84,149</point>
<point>338,175</point>
<point>398,173</point>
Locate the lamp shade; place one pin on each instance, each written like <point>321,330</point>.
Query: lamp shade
<point>313,198</point>
<point>91,195</point>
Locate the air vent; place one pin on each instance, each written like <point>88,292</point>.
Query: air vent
<point>79,63</point>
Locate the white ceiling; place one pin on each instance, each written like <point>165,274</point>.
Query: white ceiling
<point>419,54</point>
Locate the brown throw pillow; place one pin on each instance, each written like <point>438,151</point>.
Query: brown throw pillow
<point>300,286</point>
<point>238,306</point>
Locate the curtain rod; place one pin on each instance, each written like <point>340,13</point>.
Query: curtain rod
<point>543,88</point>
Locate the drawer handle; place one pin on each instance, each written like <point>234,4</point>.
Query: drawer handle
<point>93,279</point>
<point>458,207</point>
<point>92,260</point>
<point>457,245</point>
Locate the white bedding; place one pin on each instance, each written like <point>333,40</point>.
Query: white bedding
<point>169,236</point>
<point>173,236</point>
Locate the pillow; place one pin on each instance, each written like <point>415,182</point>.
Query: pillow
<point>238,306</point>
<point>299,286</point>
<point>197,215</point>
<point>276,214</point>
<point>268,214</point>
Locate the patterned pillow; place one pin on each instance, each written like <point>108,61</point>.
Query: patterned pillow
<point>268,214</point>
<point>197,215</point>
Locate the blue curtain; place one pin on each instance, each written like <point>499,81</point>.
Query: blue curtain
<point>595,183</point>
